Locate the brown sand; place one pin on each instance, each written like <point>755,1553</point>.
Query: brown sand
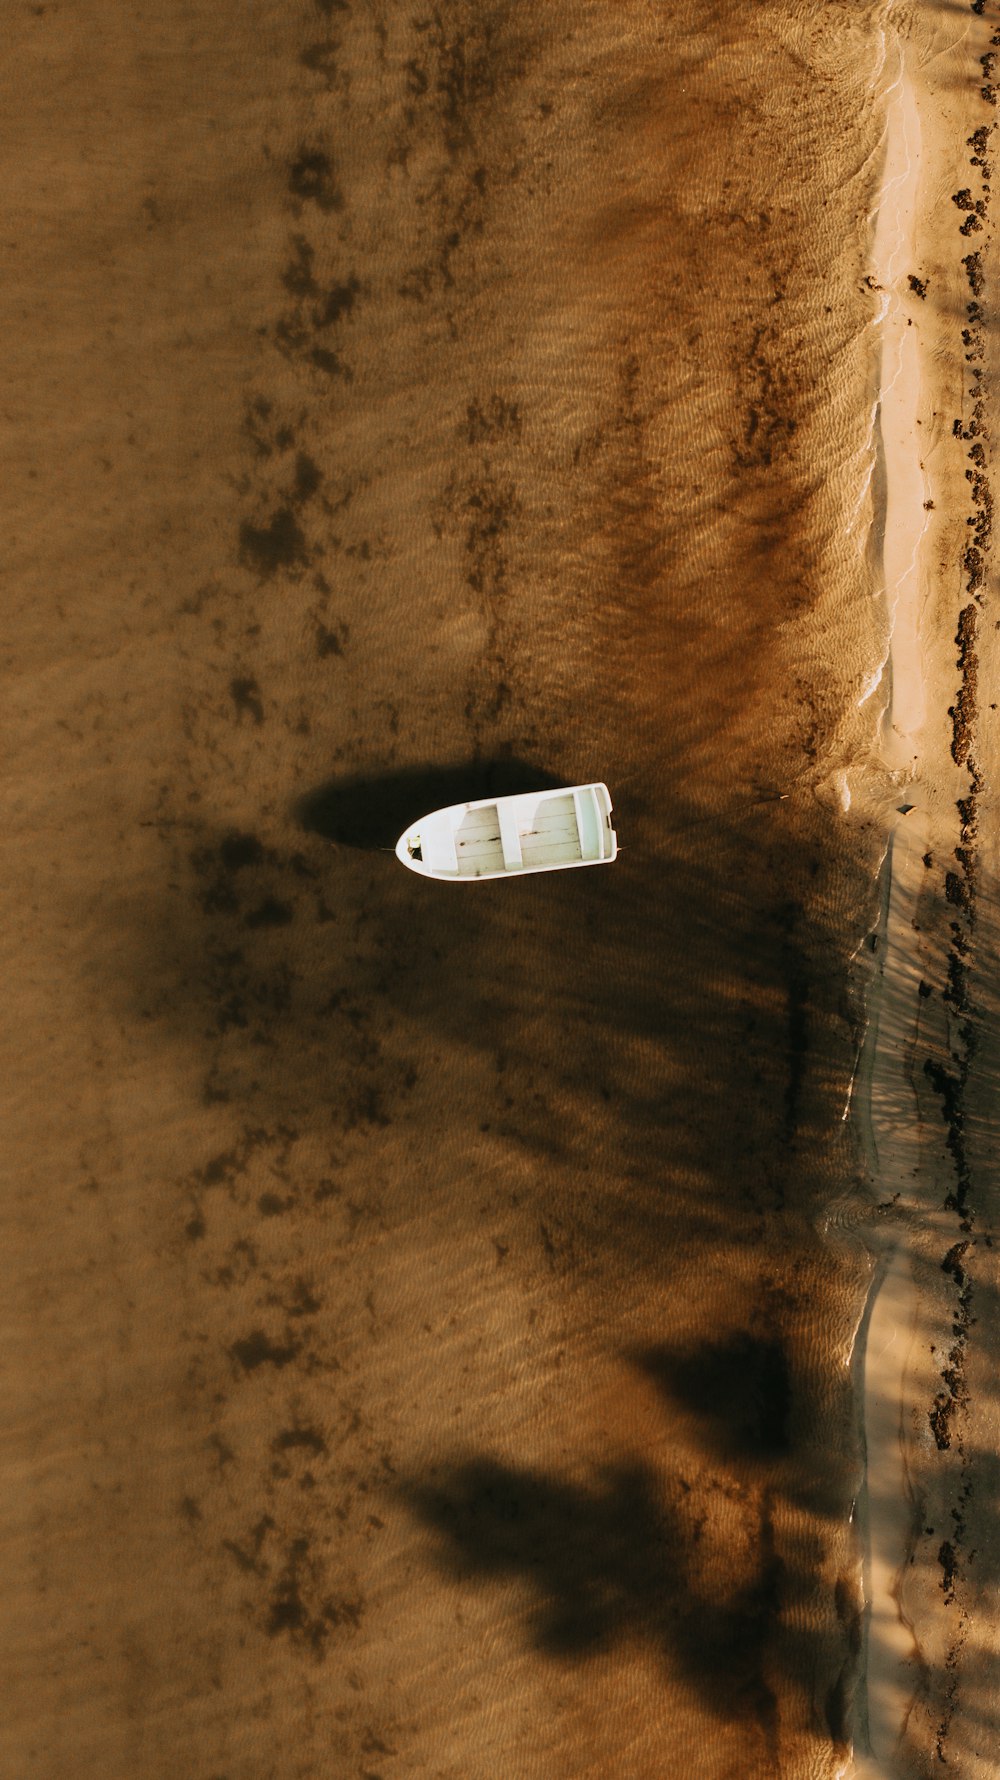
<point>425,1359</point>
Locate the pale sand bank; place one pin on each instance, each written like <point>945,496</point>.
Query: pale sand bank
<point>920,1518</point>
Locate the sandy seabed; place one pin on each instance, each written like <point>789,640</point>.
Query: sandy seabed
<point>430,1313</point>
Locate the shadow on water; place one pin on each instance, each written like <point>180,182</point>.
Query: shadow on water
<point>613,1560</point>
<point>626,1555</point>
<point>740,1390</point>
<point>372,810</point>
<point>642,1065</point>
<point>649,1042</point>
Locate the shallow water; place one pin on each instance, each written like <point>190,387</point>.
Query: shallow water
<point>438,1299</point>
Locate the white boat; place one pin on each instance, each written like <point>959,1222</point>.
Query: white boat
<point>505,837</point>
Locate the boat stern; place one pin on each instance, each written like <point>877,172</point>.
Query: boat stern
<point>608,844</point>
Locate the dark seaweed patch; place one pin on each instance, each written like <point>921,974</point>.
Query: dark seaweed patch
<point>271,913</point>
<point>308,1439</point>
<point>280,544</point>
<point>330,363</point>
<point>489,421</point>
<point>321,58</point>
<point>293,1609</point>
<point>271,1205</point>
<point>257,1349</point>
<point>311,178</point>
<point>245,695</point>
<point>239,850</point>
<point>337,302</point>
<point>330,642</point>
<point>297,277</point>
<point>308,479</point>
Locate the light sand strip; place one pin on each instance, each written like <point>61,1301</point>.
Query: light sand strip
<point>887,1508</point>
<point>885,1100</point>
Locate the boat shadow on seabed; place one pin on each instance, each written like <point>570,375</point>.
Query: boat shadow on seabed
<point>372,810</point>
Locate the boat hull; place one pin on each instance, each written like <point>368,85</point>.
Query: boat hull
<point>506,837</point>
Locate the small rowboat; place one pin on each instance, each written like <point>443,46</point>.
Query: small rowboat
<point>505,837</point>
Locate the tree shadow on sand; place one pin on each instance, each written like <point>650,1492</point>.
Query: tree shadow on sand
<point>740,1390</point>
<point>621,1557</point>
<point>633,1040</point>
<point>607,1562</point>
<point>643,1027</point>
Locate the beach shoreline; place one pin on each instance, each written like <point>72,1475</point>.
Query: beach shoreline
<point>923,777</point>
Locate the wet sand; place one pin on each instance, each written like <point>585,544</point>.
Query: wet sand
<point>432,1310</point>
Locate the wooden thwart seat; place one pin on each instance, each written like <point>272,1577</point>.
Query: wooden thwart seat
<point>510,839</point>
